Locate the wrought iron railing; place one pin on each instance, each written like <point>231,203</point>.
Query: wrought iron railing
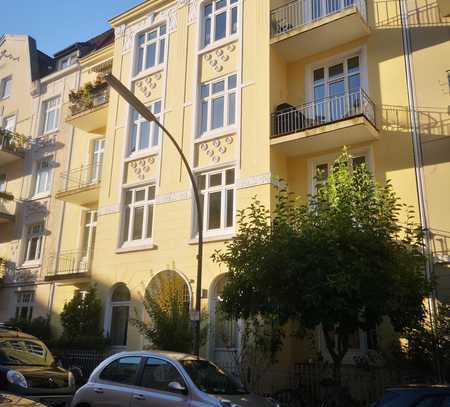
<point>7,204</point>
<point>301,12</point>
<point>12,142</point>
<point>290,119</point>
<point>70,262</point>
<point>88,175</point>
<point>96,97</point>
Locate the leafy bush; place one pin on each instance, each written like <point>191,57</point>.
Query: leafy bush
<point>38,327</point>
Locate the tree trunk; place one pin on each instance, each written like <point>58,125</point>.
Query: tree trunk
<point>337,352</point>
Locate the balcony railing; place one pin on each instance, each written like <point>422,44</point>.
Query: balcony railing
<point>85,176</point>
<point>301,12</point>
<point>12,142</point>
<point>290,119</point>
<point>70,262</point>
<point>90,99</point>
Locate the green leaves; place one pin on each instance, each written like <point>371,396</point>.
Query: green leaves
<point>342,259</point>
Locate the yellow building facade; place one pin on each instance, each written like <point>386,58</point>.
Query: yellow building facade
<point>257,93</point>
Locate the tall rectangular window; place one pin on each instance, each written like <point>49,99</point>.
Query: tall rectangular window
<point>24,305</point>
<point>138,221</point>
<point>98,149</point>
<point>43,176</point>
<point>2,182</point>
<point>5,87</point>
<point>144,135</point>
<point>151,48</point>
<point>89,232</point>
<point>9,123</point>
<point>217,194</point>
<point>50,115</point>
<point>218,104</point>
<point>33,243</point>
<point>219,20</point>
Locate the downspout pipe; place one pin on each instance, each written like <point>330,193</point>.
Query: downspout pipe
<point>419,174</point>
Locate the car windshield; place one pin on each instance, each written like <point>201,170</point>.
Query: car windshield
<point>24,352</point>
<point>210,379</point>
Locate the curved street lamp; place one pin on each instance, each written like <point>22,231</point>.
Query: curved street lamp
<point>123,91</point>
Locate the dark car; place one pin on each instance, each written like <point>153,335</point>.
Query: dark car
<point>27,368</point>
<point>415,396</point>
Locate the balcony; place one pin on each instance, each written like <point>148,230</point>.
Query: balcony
<point>89,107</point>
<point>7,208</point>
<point>81,186</point>
<point>69,265</point>
<point>305,27</point>
<point>323,125</point>
<point>12,146</point>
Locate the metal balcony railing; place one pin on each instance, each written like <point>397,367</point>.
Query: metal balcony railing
<point>290,119</point>
<point>78,178</point>
<point>12,142</point>
<point>97,97</point>
<point>301,12</point>
<point>70,262</point>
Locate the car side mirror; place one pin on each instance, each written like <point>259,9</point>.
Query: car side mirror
<point>177,387</point>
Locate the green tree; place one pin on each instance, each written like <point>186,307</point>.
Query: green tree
<point>38,327</point>
<point>339,260</point>
<point>81,321</point>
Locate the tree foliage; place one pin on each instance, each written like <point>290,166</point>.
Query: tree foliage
<point>81,320</point>
<point>340,259</point>
<point>38,327</point>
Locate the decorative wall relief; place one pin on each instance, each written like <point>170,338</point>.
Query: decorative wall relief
<point>215,151</point>
<point>149,86</point>
<point>221,60</point>
<point>141,169</point>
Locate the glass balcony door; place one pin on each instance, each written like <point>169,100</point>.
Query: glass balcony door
<point>98,149</point>
<point>88,237</point>
<point>321,8</point>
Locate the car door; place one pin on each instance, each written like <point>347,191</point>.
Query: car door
<point>115,384</point>
<point>153,386</point>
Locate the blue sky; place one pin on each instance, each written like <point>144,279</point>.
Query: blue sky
<point>55,24</point>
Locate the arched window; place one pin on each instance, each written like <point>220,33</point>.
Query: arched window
<point>167,285</point>
<point>120,309</point>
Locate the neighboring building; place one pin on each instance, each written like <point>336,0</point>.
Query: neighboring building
<point>253,91</point>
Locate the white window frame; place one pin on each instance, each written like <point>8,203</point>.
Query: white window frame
<point>112,304</point>
<point>33,231</point>
<point>205,195</point>
<point>230,5</point>
<point>25,299</point>
<point>6,87</point>
<point>89,233</point>
<point>40,172</point>
<point>3,182</point>
<point>97,155</point>
<point>70,59</point>
<point>13,118</point>
<point>147,203</point>
<point>161,41</point>
<point>152,129</point>
<point>329,159</point>
<point>46,110</point>
<point>226,94</point>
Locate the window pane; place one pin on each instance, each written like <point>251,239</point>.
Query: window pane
<point>215,180</point>
<point>201,181</point>
<point>354,83</point>
<point>158,374</point>
<point>208,9</point>
<point>118,334</point>
<point>138,223</point>
<point>144,136</point>
<point>207,31</point>
<point>141,39</point>
<point>319,75</point>
<point>123,370</point>
<point>218,87</point>
<point>128,197</point>
<point>49,124</point>
<point>140,59</point>
<point>204,91</point>
<point>319,92</point>
<point>322,172</point>
<point>230,177</point>
<point>151,193</point>
<point>157,107</point>
<point>133,138</point>
<point>337,88</point>
<point>221,26</point>
<point>162,50</point>
<point>230,207</point>
<point>140,195</point>
<point>214,210</point>
<point>126,225</point>
<point>121,293</point>
<point>33,251</point>
<point>217,112</point>
<point>232,109</point>
<point>155,135</point>
<point>358,161</point>
<point>232,81</point>
<point>234,16</point>
<point>353,65</point>
<point>151,55</point>
<point>162,30</point>
<point>336,70</point>
<point>152,35</point>
<point>149,222</point>
<point>220,4</point>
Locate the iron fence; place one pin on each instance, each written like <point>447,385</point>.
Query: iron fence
<point>301,12</point>
<point>70,262</point>
<point>97,97</point>
<point>292,119</point>
<point>84,176</point>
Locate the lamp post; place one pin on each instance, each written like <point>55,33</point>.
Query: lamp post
<point>123,91</point>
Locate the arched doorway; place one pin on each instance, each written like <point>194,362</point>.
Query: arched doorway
<point>166,283</point>
<point>119,315</point>
<point>224,333</point>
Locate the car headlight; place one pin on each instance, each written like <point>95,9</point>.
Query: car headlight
<point>72,381</point>
<point>17,378</point>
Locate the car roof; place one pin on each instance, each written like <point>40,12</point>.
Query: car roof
<point>178,356</point>
<point>12,333</point>
<point>415,387</point>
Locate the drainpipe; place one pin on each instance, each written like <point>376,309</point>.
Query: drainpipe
<point>418,168</point>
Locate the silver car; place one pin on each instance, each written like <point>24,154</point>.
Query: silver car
<point>163,379</point>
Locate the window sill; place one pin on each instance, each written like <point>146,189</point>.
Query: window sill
<point>136,248</point>
<point>142,154</point>
<point>218,238</point>
<point>49,133</point>
<point>38,197</point>
<point>222,132</point>
<point>218,44</point>
<point>148,71</point>
<point>30,265</point>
